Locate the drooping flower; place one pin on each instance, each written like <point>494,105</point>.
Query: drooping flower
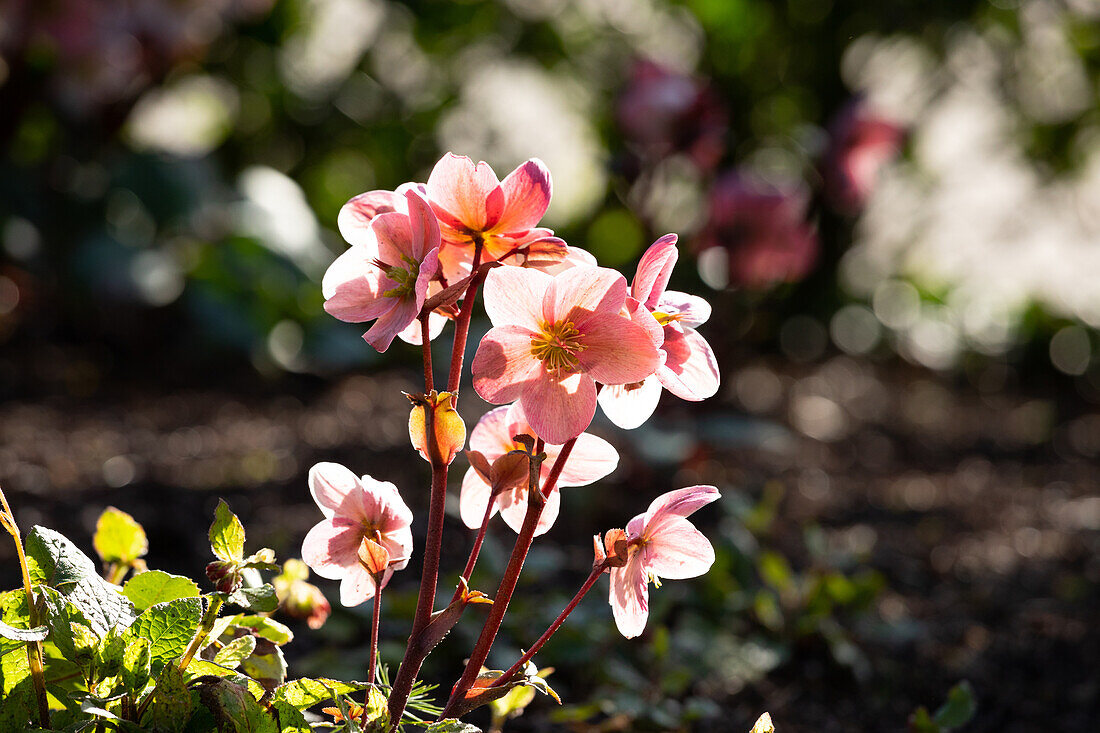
<point>689,370</point>
<point>385,273</point>
<point>861,142</point>
<point>755,235</point>
<point>471,203</point>
<point>661,543</point>
<point>592,458</point>
<point>553,339</point>
<point>356,509</point>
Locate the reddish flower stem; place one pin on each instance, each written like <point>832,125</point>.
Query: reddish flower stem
<point>462,325</point>
<point>476,549</point>
<point>507,583</point>
<point>372,663</point>
<point>426,350</point>
<point>518,666</point>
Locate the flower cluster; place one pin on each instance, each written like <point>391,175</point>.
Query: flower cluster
<point>566,335</point>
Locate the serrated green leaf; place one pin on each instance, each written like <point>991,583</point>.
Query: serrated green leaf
<point>227,534</point>
<point>959,708</point>
<point>261,599</point>
<point>199,668</point>
<point>38,633</point>
<point>266,664</point>
<point>452,726</point>
<point>235,651</point>
<point>108,654</point>
<point>169,627</point>
<point>136,661</point>
<point>119,537</point>
<point>101,603</point>
<point>16,692</point>
<point>55,561</point>
<point>289,719</point>
<point>13,611</point>
<point>234,708</point>
<point>267,628</point>
<point>156,586</point>
<point>305,693</point>
<point>60,617</point>
<point>171,705</point>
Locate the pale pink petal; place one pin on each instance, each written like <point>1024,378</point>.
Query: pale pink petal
<point>386,508</point>
<point>356,215</point>
<point>629,597</point>
<point>574,257</point>
<point>680,503</point>
<point>399,544</point>
<point>330,547</point>
<point>424,227</point>
<point>503,364</point>
<point>465,195</point>
<point>394,237</point>
<point>630,405</point>
<point>389,324</point>
<point>527,192</point>
<point>617,351</point>
<point>353,288</point>
<point>592,459</point>
<point>678,551</point>
<point>412,334</point>
<point>558,410</point>
<point>693,310</point>
<point>473,498</point>
<point>428,268</point>
<point>492,436</point>
<point>578,293</point>
<point>690,370</point>
<point>330,484</point>
<point>455,260</point>
<point>514,296</point>
<point>654,270</point>
<point>643,318</point>
<point>514,512</point>
<point>358,587</point>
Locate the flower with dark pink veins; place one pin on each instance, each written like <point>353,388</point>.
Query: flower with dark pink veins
<point>755,235</point>
<point>358,512</point>
<point>592,458</point>
<point>553,339</point>
<point>661,543</point>
<point>689,370</point>
<point>384,275</point>
<point>472,204</point>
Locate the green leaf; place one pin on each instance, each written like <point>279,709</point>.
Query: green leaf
<point>289,719</point>
<point>959,708</point>
<point>234,708</point>
<point>452,726</point>
<point>156,586</point>
<point>109,652</point>
<point>274,631</point>
<point>102,604</point>
<point>16,692</point>
<point>169,627</point>
<point>172,704</point>
<point>60,616</point>
<point>261,599</point>
<point>38,633</point>
<point>305,693</point>
<point>235,651</point>
<point>13,611</point>
<point>266,664</point>
<point>199,668</point>
<point>227,534</point>
<point>118,537</point>
<point>921,722</point>
<point>136,661</point>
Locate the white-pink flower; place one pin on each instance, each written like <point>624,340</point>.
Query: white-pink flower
<point>689,370</point>
<point>660,544</point>
<point>592,458</point>
<point>385,273</point>
<point>355,509</point>
<point>553,339</point>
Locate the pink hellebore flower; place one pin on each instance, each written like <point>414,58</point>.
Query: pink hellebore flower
<point>592,459</point>
<point>689,370</point>
<point>355,509</point>
<point>553,339</point>
<point>471,202</point>
<point>385,273</point>
<point>660,543</point>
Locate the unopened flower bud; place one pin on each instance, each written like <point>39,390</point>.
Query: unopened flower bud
<point>449,432</point>
<point>373,556</point>
<point>224,575</point>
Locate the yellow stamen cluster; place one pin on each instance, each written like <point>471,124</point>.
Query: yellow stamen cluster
<point>556,346</point>
<point>666,318</point>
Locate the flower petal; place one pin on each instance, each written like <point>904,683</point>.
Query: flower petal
<point>630,405</point>
<point>464,195</point>
<point>654,270</point>
<point>330,484</point>
<point>690,370</point>
<point>693,310</point>
<point>473,498</point>
<point>353,287</point>
<point>423,225</point>
<point>574,257</point>
<point>678,551</point>
<point>514,511</point>
<point>330,547</point>
<point>579,292</point>
<point>503,364</point>
<point>617,351</point>
<point>527,192</point>
<point>629,597</point>
<point>558,409</point>
<point>592,459</point>
<point>492,436</point>
<point>392,322</point>
<point>412,334</point>
<point>386,507</point>
<point>358,587</point>
<point>514,296</point>
<point>394,237</point>
<point>356,215</point>
<point>676,504</point>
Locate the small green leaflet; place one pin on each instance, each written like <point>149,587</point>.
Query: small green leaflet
<point>235,651</point>
<point>169,627</point>
<point>306,692</point>
<point>153,587</point>
<point>227,534</point>
<point>118,537</point>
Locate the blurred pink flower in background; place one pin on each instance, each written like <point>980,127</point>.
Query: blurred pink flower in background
<point>661,543</point>
<point>663,112</point>
<point>385,273</point>
<point>592,458</point>
<point>553,339</point>
<point>355,509</point>
<point>689,369</point>
<point>756,235</point>
<point>861,142</point>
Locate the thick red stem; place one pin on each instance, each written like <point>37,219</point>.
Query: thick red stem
<point>462,324</point>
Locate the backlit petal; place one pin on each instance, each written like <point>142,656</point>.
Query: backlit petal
<point>693,310</point>
<point>690,370</point>
<point>330,484</point>
<point>678,551</point>
<point>527,192</point>
<point>330,548</point>
<point>654,270</point>
<point>356,215</point>
<point>514,296</point>
<point>353,288</point>
<point>592,459</point>
<point>578,293</point>
<point>503,364</point>
<point>392,322</point>
<point>465,195</point>
<point>629,598</point>
<point>473,498</point>
<point>558,409</point>
<point>676,504</point>
<point>628,406</point>
<point>617,351</point>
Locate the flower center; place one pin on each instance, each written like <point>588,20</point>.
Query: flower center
<point>556,345</point>
<point>404,275</point>
<point>666,318</point>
